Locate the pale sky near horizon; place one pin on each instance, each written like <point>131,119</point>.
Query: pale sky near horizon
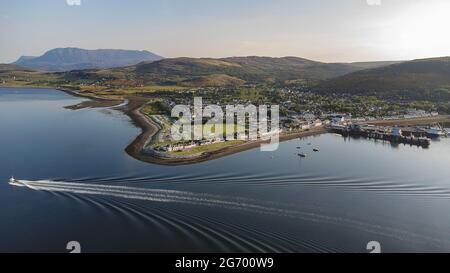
<point>323,30</point>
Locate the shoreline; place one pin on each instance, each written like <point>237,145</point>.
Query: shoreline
<point>92,102</point>
<point>150,129</point>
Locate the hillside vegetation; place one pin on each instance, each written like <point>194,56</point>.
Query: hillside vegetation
<point>238,70</point>
<point>13,67</point>
<point>419,79</point>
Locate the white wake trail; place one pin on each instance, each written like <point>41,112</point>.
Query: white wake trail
<point>209,200</point>
<point>154,195</point>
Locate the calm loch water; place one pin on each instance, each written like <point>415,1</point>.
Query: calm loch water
<point>85,188</point>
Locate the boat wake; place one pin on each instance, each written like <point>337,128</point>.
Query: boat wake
<point>209,200</point>
<point>398,186</point>
<point>154,195</point>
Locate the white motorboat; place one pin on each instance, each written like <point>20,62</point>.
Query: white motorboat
<point>15,182</point>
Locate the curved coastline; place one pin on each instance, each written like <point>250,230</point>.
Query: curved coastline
<point>93,101</point>
<point>137,149</point>
<point>150,129</point>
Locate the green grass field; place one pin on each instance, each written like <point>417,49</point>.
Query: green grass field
<point>207,148</point>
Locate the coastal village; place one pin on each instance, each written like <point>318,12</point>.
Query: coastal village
<point>302,111</point>
<point>295,120</point>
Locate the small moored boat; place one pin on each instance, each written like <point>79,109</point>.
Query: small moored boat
<point>435,132</point>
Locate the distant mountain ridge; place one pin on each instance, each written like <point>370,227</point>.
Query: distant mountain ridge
<point>24,59</point>
<point>422,79</point>
<point>67,59</point>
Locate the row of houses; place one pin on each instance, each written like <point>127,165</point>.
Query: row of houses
<point>189,145</point>
<point>197,143</point>
<point>301,124</point>
<point>413,114</point>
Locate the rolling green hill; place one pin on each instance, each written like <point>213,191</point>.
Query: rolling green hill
<point>13,67</point>
<point>13,75</point>
<point>427,79</point>
<point>196,72</point>
<point>238,70</point>
<point>371,65</point>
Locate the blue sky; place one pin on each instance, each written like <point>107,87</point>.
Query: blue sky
<point>325,30</point>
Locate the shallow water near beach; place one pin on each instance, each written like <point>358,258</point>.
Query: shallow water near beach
<point>84,187</point>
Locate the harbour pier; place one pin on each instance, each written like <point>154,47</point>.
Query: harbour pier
<point>407,135</point>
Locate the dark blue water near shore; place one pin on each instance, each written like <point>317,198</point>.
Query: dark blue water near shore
<point>337,200</point>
